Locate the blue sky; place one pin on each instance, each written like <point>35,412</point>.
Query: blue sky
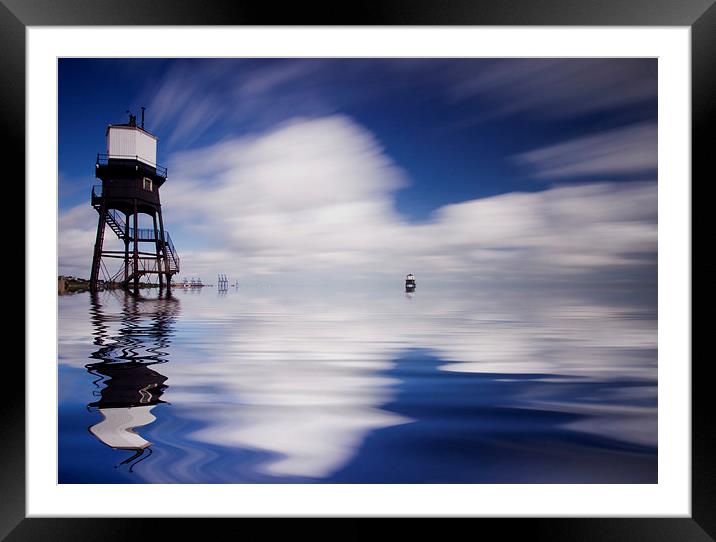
<point>414,141</point>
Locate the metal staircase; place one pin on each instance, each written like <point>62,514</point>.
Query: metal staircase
<point>114,220</point>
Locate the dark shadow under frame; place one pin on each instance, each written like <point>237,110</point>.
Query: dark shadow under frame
<point>700,15</point>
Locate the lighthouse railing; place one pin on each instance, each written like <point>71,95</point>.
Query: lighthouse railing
<point>143,234</point>
<point>104,160</point>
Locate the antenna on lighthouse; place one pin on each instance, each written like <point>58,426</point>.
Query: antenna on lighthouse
<point>143,108</point>
<point>132,118</point>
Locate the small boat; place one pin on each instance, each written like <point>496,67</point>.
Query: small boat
<point>410,282</point>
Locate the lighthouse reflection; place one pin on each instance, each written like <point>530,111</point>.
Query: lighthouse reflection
<point>131,344</point>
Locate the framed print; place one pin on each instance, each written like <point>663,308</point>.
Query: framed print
<point>420,262</point>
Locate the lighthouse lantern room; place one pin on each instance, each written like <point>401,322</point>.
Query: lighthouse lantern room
<point>131,142</point>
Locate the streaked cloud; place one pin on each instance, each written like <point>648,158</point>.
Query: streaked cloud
<point>194,98</point>
<point>556,87</point>
<point>628,150</point>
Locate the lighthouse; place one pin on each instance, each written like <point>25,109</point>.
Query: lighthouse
<point>131,180</point>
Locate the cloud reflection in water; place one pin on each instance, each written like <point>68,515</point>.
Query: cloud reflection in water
<point>447,386</point>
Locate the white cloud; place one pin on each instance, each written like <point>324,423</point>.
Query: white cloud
<point>77,229</point>
<point>631,149</point>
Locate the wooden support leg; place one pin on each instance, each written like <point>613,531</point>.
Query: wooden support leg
<point>136,250</point>
<point>126,247</point>
<point>158,251</point>
<point>97,257</point>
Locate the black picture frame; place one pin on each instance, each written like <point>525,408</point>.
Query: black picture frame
<point>699,15</point>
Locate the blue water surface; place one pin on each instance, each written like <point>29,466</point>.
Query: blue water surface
<point>253,386</point>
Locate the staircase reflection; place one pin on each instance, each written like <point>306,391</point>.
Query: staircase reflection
<point>129,344</point>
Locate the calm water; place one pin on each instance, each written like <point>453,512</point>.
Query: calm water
<point>257,386</point>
